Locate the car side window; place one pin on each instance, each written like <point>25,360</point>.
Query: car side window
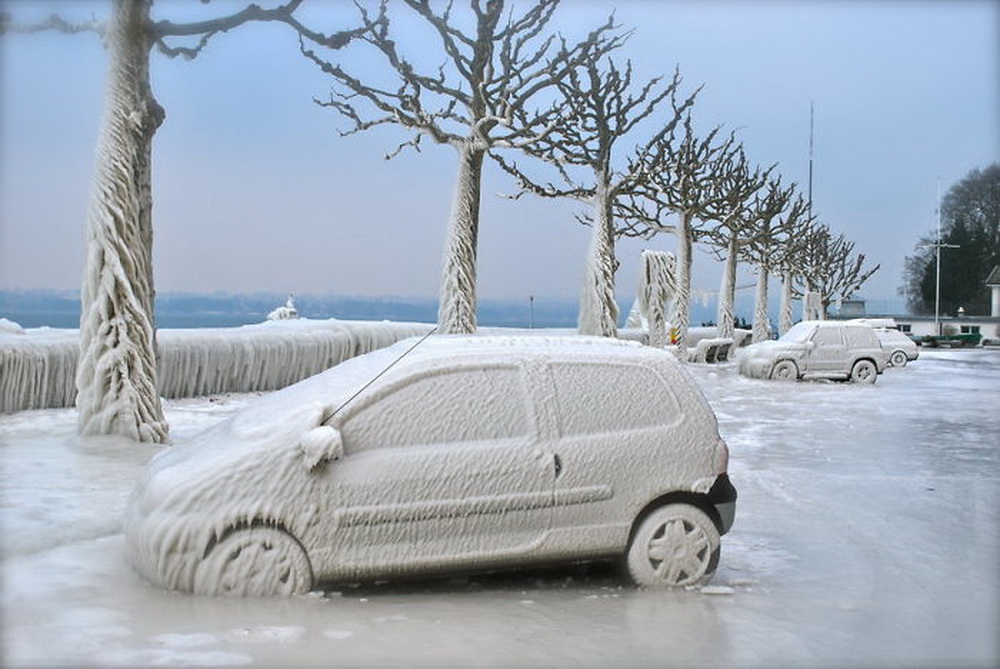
<point>828,337</point>
<point>861,338</point>
<point>600,398</point>
<point>449,406</point>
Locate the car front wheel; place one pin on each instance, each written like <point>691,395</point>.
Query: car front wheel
<point>864,371</point>
<point>785,370</point>
<point>897,359</point>
<point>255,562</point>
<point>676,545</point>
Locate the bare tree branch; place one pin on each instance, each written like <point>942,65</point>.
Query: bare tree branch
<point>206,30</point>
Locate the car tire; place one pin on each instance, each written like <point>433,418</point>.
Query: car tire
<point>897,359</point>
<point>255,562</point>
<point>785,370</point>
<point>864,371</point>
<point>676,545</point>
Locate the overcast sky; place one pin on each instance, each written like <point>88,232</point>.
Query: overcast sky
<point>254,190</point>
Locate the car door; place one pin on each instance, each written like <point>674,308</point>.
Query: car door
<point>615,447</point>
<point>443,468</point>
<point>828,354</point>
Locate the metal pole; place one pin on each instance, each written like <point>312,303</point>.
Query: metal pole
<point>811,114</point>
<point>937,281</point>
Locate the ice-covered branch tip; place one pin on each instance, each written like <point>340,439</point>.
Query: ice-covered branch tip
<point>53,22</point>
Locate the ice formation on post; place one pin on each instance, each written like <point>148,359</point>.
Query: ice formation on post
<point>116,377</point>
<point>656,288</point>
<point>457,304</point>
<point>285,313</point>
<point>598,309</point>
<point>785,320</point>
<point>813,306</point>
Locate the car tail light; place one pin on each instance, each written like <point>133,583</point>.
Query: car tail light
<point>721,457</point>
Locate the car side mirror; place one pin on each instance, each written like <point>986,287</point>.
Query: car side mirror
<point>321,445</point>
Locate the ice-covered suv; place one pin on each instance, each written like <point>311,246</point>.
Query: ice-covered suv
<point>460,453</point>
<point>818,349</point>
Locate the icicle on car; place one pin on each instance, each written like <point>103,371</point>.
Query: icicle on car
<point>466,453</point>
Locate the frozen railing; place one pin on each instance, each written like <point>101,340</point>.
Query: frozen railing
<point>38,366</point>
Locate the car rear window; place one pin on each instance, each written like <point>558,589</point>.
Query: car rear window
<point>599,398</point>
<point>452,406</point>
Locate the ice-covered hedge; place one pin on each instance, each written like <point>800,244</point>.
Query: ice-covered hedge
<point>37,366</point>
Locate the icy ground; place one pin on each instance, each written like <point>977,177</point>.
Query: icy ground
<point>867,533</point>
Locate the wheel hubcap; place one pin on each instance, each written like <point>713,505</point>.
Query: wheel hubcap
<point>678,552</point>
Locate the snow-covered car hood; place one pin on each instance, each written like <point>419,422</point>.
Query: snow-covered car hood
<point>771,347</point>
<point>277,420</point>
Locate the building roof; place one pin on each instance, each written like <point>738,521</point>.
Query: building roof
<point>994,278</point>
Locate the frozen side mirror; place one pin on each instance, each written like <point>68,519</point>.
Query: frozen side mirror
<point>320,445</point>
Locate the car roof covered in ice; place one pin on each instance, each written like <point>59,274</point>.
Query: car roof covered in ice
<point>283,416</point>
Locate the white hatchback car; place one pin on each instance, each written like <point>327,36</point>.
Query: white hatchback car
<point>818,349</point>
<point>457,454</point>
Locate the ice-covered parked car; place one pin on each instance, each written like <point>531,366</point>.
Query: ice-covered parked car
<point>818,349</point>
<point>899,347</point>
<point>457,454</point>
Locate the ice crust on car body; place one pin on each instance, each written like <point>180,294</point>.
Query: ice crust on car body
<point>509,486</point>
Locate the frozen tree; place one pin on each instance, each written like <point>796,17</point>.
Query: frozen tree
<point>679,177</point>
<point>602,107</point>
<point>116,375</point>
<point>970,223</point>
<point>775,214</point>
<point>830,269</point>
<point>657,286</point>
<point>735,225</point>
<point>794,247</point>
<point>490,92</point>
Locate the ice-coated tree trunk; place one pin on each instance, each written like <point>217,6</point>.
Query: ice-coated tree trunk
<point>727,291</point>
<point>116,376</point>
<point>457,302</point>
<point>761,324</point>
<point>680,318</point>
<point>785,319</point>
<point>598,309</point>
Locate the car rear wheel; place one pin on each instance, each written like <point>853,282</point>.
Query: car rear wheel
<point>864,371</point>
<point>676,545</point>
<point>255,562</point>
<point>897,359</point>
<point>785,370</point>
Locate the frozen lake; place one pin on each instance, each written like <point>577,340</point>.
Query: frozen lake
<point>867,533</point>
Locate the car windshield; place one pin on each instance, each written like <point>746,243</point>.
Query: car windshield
<point>798,334</point>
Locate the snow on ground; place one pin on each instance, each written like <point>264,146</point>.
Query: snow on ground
<point>867,533</point>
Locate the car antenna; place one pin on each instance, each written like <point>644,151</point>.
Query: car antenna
<point>379,375</point>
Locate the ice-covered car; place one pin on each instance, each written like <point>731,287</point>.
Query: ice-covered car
<point>818,349</point>
<point>457,454</point>
<point>899,347</point>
